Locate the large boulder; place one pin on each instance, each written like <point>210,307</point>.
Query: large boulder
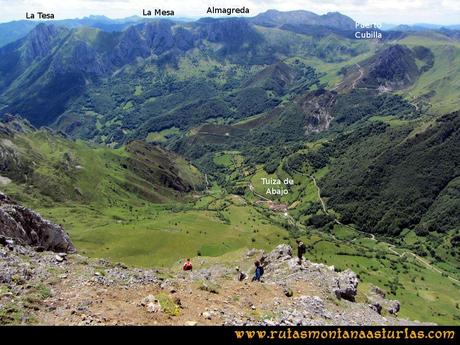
<point>282,252</point>
<point>27,227</point>
<point>345,285</point>
<point>375,290</point>
<point>393,306</point>
<point>377,297</point>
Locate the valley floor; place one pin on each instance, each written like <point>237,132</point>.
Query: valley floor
<point>217,226</point>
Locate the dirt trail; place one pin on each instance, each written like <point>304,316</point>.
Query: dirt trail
<point>353,85</point>
<point>319,194</point>
<point>361,73</point>
<point>426,263</point>
<point>253,190</point>
<point>390,246</point>
<point>207,181</point>
<point>368,235</point>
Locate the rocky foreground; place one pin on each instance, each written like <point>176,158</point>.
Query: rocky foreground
<point>43,281</point>
<point>49,288</point>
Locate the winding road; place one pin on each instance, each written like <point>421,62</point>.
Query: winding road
<point>323,204</point>
<point>353,85</point>
<point>390,247</point>
<point>361,73</point>
<point>372,236</point>
<point>207,182</point>
<point>253,190</point>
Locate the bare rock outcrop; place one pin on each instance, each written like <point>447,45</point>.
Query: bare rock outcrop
<point>345,285</point>
<point>27,227</point>
<point>378,301</point>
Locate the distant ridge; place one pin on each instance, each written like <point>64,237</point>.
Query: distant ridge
<point>420,27</point>
<point>14,30</point>
<point>273,18</point>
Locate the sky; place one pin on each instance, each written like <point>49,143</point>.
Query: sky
<point>364,11</point>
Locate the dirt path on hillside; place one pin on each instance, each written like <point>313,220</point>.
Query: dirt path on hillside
<point>426,263</point>
<point>361,74</point>
<point>323,204</point>
<point>253,190</point>
<point>355,81</point>
<point>390,246</point>
<point>207,181</point>
<point>368,235</point>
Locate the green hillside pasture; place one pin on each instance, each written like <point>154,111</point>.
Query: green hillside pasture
<point>162,136</point>
<point>159,236</point>
<point>425,295</point>
<point>441,83</point>
<point>391,120</point>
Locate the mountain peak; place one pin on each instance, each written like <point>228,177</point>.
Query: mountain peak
<point>227,30</point>
<point>43,29</point>
<point>97,17</point>
<point>275,18</point>
<point>38,41</point>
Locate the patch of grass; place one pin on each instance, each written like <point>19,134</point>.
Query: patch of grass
<point>223,159</point>
<point>391,120</point>
<point>35,296</point>
<point>439,85</point>
<point>265,315</point>
<point>33,301</point>
<point>209,287</point>
<point>138,90</point>
<point>167,305</point>
<point>43,291</point>
<point>10,314</point>
<point>4,289</point>
<point>235,298</point>
<point>162,136</point>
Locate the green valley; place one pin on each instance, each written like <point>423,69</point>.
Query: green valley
<point>150,143</point>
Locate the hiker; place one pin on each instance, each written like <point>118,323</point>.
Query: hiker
<point>241,275</point>
<point>259,271</point>
<point>187,265</point>
<point>262,261</point>
<point>301,250</point>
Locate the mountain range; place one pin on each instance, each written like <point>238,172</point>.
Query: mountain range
<point>12,31</point>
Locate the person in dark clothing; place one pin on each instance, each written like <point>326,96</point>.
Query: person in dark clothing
<point>301,250</point>
<point>259,271</point>
<point>241,275</point>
